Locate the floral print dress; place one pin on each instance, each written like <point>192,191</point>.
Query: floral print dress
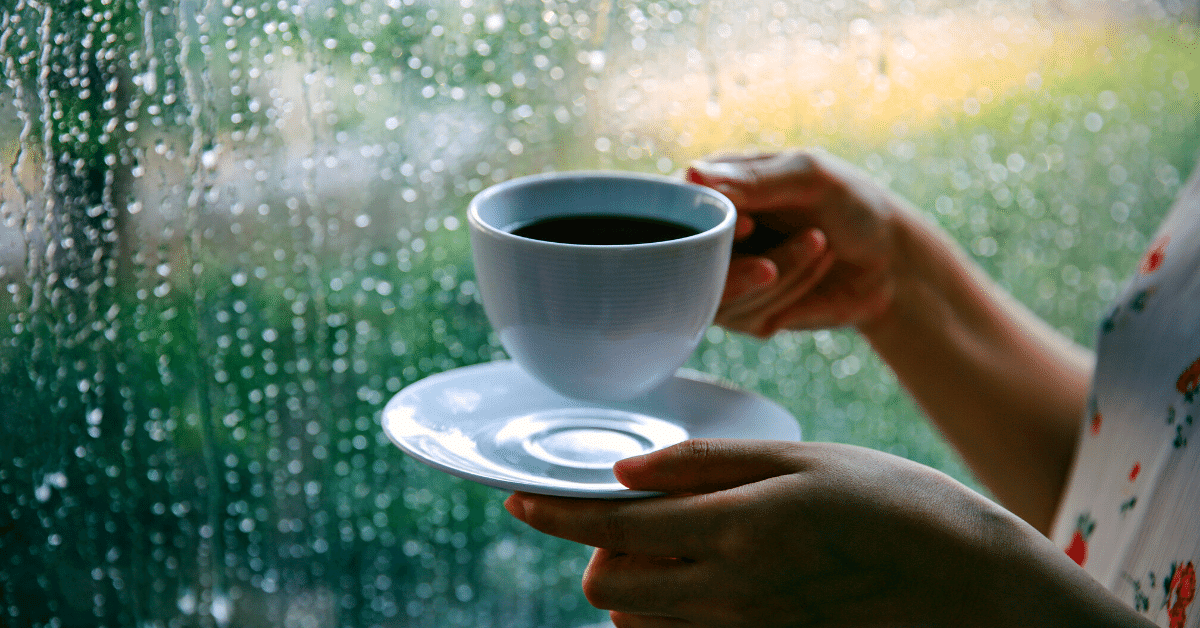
<point>1131,511</point>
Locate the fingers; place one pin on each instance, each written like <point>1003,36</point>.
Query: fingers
<point>742,227</point>
<point>679,525</point>
<point>748,275</point>
<point>762,182</point>
<point>707,466</point>
<point>751,302</point>
<point>640,585</point>
<point>665,526</point>
<point>767,316</point>
<point>855,301</point>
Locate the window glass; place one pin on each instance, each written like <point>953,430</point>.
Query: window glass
<point>231,230</point>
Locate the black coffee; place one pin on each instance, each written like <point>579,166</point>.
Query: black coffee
<point>604,229</point>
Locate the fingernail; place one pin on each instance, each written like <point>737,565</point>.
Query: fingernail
<point>515,506</point>
<point>627,469</point>
<point>743,227</point>
<point>753,272</point>
<point>764,273</point>
<point>631,463</point>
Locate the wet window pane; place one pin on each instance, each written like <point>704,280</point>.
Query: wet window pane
<point>230,230</point>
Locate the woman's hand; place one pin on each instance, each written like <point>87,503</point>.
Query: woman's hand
<point>759,533</point>
<point>819,244</point>
<point>815,246</point>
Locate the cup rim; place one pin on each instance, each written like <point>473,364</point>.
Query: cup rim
<point>477,222</point>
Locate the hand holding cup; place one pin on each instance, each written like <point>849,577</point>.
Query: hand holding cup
<point>815,244</point>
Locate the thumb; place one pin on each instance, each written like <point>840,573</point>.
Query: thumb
<point>767,182</point>
<point>708,465</point>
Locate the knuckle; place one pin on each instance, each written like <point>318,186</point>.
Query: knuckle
<point>698,449</point>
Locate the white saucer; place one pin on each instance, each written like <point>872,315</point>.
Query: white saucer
<point>493,424</point>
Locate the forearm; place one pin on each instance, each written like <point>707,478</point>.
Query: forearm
<point>1006,390</point>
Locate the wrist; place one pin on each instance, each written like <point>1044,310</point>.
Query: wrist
<point>923,261</point>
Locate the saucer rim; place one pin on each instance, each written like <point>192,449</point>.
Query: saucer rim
<point>481,476</point>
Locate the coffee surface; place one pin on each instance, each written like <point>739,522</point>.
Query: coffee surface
<point>604,229</point>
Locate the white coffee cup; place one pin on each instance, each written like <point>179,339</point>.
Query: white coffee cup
<point>600,322</point>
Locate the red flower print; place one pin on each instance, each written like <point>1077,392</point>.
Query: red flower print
<point>1155,255</point>
<point>1097,421</point>
<point>1180,594</point>
<point>1133,473</point>
<point>1189,381</point>
<point>1077,550</point>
